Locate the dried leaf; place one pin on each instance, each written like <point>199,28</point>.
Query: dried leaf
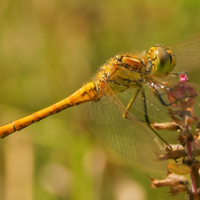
<point>178,189</point>
<point>171,180</point>
<point>181,139</point>
<point>179,169</point>
<point>177,120</point>
<point>196,142</point>
<point>170,126</point>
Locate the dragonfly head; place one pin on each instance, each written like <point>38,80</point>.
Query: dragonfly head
<point>161,61</point>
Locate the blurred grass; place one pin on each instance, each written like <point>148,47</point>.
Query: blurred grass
<point>48,49</point>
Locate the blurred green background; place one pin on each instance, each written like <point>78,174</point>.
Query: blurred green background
<point>48,49</point>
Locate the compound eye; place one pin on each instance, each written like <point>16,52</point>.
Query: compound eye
<point>162,65</point>
<point>163,56</point>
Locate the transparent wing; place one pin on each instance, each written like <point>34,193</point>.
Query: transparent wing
<point>188,59</point>
<point>128,136</point>
<point>187,55</point>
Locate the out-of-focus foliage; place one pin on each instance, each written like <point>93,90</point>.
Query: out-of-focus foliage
<point>48,49</point>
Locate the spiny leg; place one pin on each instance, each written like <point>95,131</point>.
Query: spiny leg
<point>169,104</point>
<point>185,79</point>
<point>147,119</point>
<point>131,102</point>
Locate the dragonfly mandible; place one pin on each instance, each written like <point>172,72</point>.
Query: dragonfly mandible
<point>113,94</point>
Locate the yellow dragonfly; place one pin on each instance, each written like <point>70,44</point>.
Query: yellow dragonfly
<point>115,99</point>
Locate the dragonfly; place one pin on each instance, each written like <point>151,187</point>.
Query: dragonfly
<point>119,105</point>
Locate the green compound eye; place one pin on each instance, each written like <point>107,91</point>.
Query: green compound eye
<point>162,64</point>
<point>161,59</point>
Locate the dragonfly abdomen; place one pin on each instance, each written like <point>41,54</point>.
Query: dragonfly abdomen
<point>86,93</point>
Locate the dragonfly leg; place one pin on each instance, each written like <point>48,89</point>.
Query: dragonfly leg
<point>169,104</point>
<point>131,102</point>
<point>147,119</point>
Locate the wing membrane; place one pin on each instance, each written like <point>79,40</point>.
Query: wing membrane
<point>187,55</point>
<point>128,136</point>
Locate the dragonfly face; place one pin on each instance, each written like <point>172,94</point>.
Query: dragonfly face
<point>161,61</point>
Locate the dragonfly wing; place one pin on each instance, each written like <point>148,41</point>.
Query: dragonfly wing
<point>187,55</point>
<point>128,136</point>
